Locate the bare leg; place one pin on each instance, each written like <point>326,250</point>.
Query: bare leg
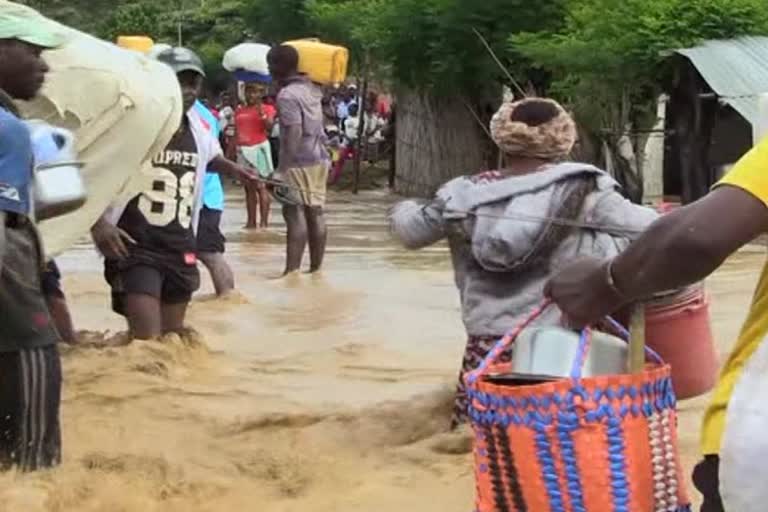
<point>251,205</point>
<point>173,317</point>
<point>318,236</point>
<point>221,273</point>
<point>59,310</point>
<point>265,204</point>
<point>145,320</point>
<point>296,223</point>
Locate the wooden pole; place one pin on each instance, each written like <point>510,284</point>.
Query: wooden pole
<point>637,340</point>
<point>361,128</point>
<point>180,23</point>
<point>393,156</point>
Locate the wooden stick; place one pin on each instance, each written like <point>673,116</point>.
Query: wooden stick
<point>637,340</point>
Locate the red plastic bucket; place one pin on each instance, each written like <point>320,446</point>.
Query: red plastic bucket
<point>678,328</point>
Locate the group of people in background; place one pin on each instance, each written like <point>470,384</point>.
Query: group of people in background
<point>343,120</point>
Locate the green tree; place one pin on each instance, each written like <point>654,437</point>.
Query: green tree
<point>132,19</point>
<point>610,60</point>
<point>277,20</point>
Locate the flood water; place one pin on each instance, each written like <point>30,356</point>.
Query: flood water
<point>316,393</point>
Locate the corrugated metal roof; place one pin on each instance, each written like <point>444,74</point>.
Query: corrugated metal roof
<point>736,69</point>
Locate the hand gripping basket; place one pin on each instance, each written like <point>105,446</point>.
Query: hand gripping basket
<point>603,444</point>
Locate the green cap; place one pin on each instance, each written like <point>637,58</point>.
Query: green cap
<point>25,24</point>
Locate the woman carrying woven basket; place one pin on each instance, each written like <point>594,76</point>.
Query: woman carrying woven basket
<point>509,230</point>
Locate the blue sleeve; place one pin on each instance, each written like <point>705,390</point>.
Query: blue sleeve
<point>15,165</point>
<point>212,120</point>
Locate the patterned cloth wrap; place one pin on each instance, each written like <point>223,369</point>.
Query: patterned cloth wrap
<point>551,141</point>
<point>606,444</point>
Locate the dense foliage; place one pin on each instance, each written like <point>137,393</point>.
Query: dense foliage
<point>208,26</point>
<point>610,58</point>
<point>605,58</point>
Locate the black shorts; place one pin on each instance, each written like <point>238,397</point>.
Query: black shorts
<point>171,283</point>
<point>51,281</point>
<point>209,236</point>
<point>30,395</point>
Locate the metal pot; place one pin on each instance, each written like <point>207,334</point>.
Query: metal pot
<point>551,352</point>
<point>58,189</point>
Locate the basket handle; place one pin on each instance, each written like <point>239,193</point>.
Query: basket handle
<point>585,339</point>
<point>505,342</point>
<point>638,350</point>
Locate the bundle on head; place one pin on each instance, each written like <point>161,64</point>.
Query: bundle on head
<point>534,128</point>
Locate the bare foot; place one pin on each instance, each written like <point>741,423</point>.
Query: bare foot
<point>251,227</point>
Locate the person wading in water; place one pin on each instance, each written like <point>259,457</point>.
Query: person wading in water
<point>149,244</point>
<point>303,159</point>
<point>211,242</point>
<point>499,224</point>
<point>30,366</point>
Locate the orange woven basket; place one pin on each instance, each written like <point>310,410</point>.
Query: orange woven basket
<point>603,444</point>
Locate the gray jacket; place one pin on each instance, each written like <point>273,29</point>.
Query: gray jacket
<point>493,229</point>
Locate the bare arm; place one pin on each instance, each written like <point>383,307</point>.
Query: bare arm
<point>679,249</point>
<point>688,245</point>
<point>226,166</point>
<point>110,240</point>
<point>269,122</point>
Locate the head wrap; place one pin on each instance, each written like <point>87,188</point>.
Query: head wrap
<point>552,140</point>
<point>25,24</point>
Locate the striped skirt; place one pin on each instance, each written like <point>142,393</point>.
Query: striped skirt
<point>30,395</point>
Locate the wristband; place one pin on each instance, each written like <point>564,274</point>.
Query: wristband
<point>611,282</point>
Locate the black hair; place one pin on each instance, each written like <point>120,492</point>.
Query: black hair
<point>535,112</point>
<point>285,56</point>
<point>354,110</point>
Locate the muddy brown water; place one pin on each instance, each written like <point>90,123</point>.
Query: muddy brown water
<point>320,393</point>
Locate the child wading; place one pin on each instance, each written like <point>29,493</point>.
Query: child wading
<point>509,230</point>
<point>150,244</point>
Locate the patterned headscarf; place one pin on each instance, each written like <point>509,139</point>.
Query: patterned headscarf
<point>552,140</point>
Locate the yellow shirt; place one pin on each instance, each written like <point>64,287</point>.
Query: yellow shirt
<point>751,175</point>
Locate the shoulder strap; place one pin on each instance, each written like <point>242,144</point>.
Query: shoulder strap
<point>560,223</point>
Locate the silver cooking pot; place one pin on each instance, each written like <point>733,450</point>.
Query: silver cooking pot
<point>58,189</point>
<point>58,186</point>
<point>550,352</point>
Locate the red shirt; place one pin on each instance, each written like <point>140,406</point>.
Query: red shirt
<point>251,129</point>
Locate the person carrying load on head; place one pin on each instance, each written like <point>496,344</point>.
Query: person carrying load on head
<point>510,229</point>
<point>303,159</point>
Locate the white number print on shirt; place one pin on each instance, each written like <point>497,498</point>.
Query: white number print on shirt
<point>166,197</point>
